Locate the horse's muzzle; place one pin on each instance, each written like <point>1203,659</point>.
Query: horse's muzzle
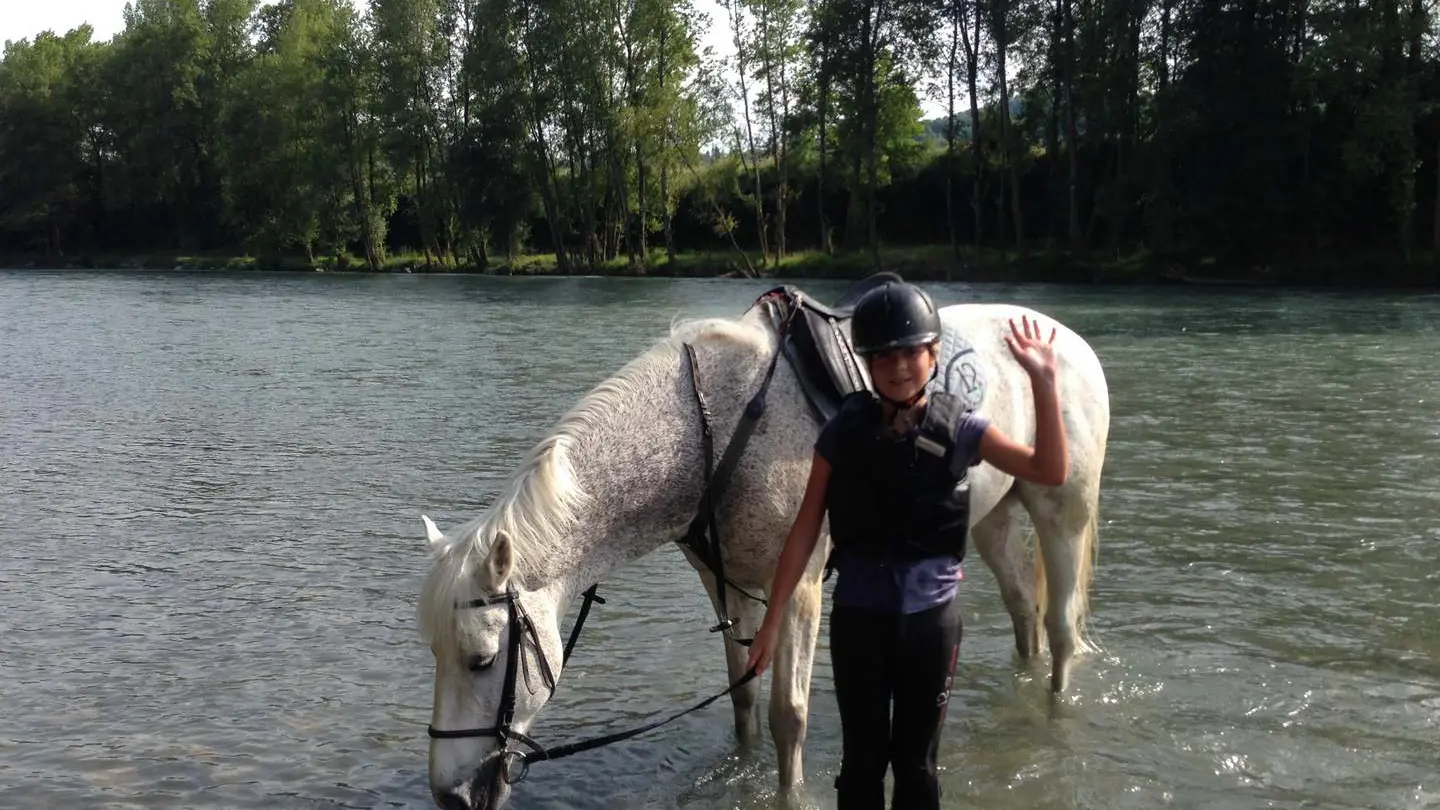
<point>456,798</point>
<point>487,791</point>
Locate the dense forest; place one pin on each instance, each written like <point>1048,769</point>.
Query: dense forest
<point>598,133</point>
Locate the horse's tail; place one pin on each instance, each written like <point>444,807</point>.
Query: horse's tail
<point>1042,592</point>
<point>1086,553</point>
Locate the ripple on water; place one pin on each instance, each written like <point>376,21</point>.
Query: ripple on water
<point>210,549</point>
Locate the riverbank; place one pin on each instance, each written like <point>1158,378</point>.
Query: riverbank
<point>921,263</point>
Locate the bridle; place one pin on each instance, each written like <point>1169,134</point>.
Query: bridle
<point>515,764</point>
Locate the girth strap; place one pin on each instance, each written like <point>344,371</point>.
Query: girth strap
<point>703,536</point>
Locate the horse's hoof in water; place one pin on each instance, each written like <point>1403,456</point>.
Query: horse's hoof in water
<point>792,797</point>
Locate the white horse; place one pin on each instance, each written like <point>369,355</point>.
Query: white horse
<point>620,475</point>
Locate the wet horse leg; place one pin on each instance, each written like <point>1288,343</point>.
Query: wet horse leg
<point>1065,519</point>
<point>790,681</point>
<point>1000,539</point>
<point>747,613</point>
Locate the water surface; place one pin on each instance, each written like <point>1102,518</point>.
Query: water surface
<point>210,549</point>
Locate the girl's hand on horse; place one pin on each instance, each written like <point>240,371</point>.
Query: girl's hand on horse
<point>1034,354</point>
<point>794,559</point>
<point>762,649</point>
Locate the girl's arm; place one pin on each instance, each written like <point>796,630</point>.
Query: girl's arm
<point>794,559</point>
<point>1048,462</point>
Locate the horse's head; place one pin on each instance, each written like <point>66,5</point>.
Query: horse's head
<point>497,652</point>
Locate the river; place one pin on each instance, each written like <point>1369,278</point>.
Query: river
<point>210,548</point>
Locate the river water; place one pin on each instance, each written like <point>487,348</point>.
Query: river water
<point>210,546</point>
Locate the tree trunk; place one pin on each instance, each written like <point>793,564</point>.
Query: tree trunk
<point>643,215</point>
<point>823,60</point>
<point>782,154</point>
<point>1071,140</point>
<point>665,217</point>
<point>957,21</point>
<point>871,112</point>
<point>420,215</point>
<point>544,172</point>
<point>1054,175</point>
<point>549,198</point>
<point>977,144</point>
<point>740,70</point>
<point>1012,171</point>
<point>639,252</point>
<point>357,189</point>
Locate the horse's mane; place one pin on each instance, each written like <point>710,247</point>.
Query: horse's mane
<point>542,500</point>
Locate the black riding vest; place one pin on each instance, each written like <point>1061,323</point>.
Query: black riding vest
<point>898,498</point>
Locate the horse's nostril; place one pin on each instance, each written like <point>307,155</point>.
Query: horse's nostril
<point>454,798</point>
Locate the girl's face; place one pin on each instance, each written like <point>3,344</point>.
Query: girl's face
<point>902,373</point>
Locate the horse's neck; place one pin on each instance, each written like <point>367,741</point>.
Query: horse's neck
<point>643,468</point>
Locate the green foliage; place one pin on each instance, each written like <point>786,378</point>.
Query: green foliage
<point>472,132</point>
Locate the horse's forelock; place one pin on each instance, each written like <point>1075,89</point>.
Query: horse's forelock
<point>445,585</point>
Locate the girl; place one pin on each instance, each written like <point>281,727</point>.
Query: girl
<point>890,470</point>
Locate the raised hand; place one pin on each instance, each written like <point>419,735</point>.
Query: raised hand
<point>1034,354</point>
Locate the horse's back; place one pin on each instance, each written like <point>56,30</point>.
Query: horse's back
<point>976,321</point>
<point>985,326</point>
<point>1007,401</point>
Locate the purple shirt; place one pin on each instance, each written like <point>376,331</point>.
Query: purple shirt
<point>901,586</point>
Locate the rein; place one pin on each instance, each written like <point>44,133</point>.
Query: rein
<point>702,537</point>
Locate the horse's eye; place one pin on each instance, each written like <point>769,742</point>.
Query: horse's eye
<point>480,663</point>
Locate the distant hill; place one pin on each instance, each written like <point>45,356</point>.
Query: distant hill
<point>935,127</point>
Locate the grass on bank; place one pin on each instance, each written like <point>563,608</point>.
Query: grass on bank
<point>922,262</point>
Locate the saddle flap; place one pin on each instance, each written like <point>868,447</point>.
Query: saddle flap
<point>818,344</point>
<point>830,342</point>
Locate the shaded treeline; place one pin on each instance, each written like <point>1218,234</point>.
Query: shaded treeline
<point>471,131</point>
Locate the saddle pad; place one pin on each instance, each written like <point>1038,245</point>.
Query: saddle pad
<point>961,372</point>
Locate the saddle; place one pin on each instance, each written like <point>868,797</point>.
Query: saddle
<point>815,339</point>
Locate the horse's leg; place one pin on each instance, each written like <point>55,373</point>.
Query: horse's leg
<point>1065,519</point>
<point>747,613</point>
<point>1000,539</point>
<point>790,683</point>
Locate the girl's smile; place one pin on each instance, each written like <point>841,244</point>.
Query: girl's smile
<point>901,374</point>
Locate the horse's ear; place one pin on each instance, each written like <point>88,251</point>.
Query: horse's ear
<point>432,532</point>
<point>500,561</point>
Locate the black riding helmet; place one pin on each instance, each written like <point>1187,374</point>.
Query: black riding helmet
<point>893,315</point>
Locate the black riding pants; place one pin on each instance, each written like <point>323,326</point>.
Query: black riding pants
<point>892,681</point>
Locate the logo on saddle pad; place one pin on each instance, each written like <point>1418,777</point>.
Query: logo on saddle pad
<point>961,371</point>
